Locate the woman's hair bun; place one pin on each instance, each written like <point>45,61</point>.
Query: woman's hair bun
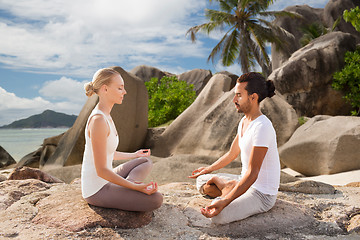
<point>271,88</point>
<point>89,89</point>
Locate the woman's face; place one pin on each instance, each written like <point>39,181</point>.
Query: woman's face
<point>116,89</point>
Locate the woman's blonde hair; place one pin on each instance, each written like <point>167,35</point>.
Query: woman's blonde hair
<point>101,77</point>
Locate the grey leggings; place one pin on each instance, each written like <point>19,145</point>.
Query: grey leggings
<point>114,196</point>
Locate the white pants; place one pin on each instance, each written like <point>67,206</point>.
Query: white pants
<point>250,203</point>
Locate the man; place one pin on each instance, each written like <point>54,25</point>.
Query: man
<point>256,190</point>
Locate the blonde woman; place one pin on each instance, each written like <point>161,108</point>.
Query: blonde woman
<point>101,185</point>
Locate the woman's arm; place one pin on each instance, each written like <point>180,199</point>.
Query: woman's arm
<point>98,133</point>
<point>125,156</point>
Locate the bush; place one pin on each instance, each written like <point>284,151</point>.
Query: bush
<point>168,99</point>
<point>353,16</point>
<point>348,80</point>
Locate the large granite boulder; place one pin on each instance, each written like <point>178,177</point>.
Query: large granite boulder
<point>67,209</point>
<point>56,211</point>
<point>198,77</point>
<point>145,72</point>
<point>305,79</point>
<point>5,158</point>
<point>324,145</point>
<point>335,9</point>
<point>22,173</point>
<point>307,16</point>
<point>210,124</point>
<point>130,119</point>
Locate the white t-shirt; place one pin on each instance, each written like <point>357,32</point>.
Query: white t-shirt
<point>261,133</point>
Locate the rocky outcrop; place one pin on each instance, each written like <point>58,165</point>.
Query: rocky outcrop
<point>66,209</point>
<point>209,125</point>
<point>305,79</point>
<point>324,145</point>
<point>5,158</point>
<point>57,211</point>
<point>145,73</point>
<point>22,173</point>
<point>198,77</point>
<point>307,15</point>
<point>130,119</point>
<point>335,9</point>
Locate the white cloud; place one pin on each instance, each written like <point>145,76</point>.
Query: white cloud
<point>64,95</point>
<point>64,88</point>
<point>66,36</point>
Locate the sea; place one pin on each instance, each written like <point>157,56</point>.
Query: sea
<point>20,142</point>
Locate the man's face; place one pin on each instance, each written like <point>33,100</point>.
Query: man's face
<point>241,98</point>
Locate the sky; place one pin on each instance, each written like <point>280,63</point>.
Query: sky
<point>49,49</point>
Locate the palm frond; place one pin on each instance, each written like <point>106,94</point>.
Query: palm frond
<point>218,16</point>
<point>230,51</point>
<point>206,28</point>
<point>216,49</point>
<point>228,6</point>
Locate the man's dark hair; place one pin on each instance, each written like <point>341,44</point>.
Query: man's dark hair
<point>256,83</point>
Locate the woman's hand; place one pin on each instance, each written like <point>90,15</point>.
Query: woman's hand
<point>142,153</point>
<point>199,171</point>
<point>148,188</point>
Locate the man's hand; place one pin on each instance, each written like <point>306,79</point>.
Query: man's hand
<point>213,209</point>
<point>199,171</point>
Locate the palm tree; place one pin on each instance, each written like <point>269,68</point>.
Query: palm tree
<point>246,32</point>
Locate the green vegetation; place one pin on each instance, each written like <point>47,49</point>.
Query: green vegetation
<point>353,16</point>
<point>348,80</point>
<point>47,119</point>
<point>246,32</point>
<point>302,120</point>
<point>168,99</point>
<point>315,30</point>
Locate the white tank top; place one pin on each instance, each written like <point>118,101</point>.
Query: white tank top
<point>91,183</point>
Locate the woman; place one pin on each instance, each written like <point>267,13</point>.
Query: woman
<point>102,186</point>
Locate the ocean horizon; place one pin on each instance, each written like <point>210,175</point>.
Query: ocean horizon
<point>20,142</point>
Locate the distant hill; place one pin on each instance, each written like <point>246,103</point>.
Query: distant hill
<point>47,119</point>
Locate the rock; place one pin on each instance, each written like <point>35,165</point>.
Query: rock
<point>197,130</point>
<point>67,173</point>
<point>210,124</point>
<point>282,116</point>
<point>198,77</point>
<point>354,223</point>
<point>13,190</point>
<point>31,159</point>
<point>2,178</point>
<point>145,73</point>
<point>310,187</point>
<point>335,9</point>
<point>130,119</point>
<point>5,158</point>
<point>58,212</point>
<point>305,79</point>
<point>68,210</point>
<point>152,136</point>
<point>324,145</point>
<point>308,15</point>
<point>22,173</point>
<point>177,168</point>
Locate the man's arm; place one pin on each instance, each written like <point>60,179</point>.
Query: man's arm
<point>256,158</point>
<point>224,160</point>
